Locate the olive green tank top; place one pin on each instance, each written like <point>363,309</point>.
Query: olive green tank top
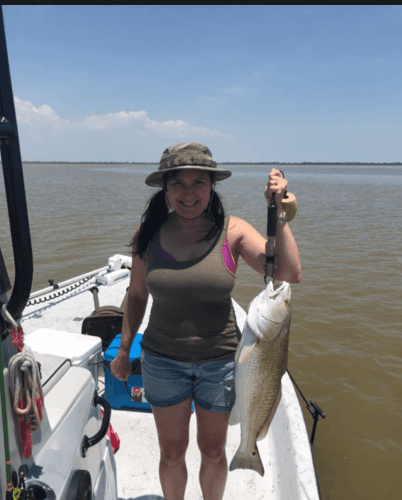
<point>192,317</point>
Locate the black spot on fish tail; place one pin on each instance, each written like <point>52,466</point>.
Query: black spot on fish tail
<point>247,460</point>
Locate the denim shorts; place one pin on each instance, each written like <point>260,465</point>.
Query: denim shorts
<point>168,382</point>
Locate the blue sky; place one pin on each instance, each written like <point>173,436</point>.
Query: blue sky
<point>254,83</point>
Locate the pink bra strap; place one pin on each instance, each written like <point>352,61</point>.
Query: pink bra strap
<point>227,257</point>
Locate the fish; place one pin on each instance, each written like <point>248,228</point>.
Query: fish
<point>261,361</point>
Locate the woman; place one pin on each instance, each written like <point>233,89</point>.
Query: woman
<point>185,254</point>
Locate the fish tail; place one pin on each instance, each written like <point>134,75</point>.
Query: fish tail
<point>247,460</point>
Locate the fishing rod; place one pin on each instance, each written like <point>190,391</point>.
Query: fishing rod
<point>289,205</point>
<point>269,269</point>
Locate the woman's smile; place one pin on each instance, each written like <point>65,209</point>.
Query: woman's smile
<point>188,204</point>
<point>189,191</point>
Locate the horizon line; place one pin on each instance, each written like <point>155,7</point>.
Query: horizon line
<point>226,162</point>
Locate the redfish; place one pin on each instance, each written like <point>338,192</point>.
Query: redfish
<point>261,361</point>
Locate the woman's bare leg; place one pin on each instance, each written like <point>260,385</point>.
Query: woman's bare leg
<point>211,436</point>
<point>172,424</point>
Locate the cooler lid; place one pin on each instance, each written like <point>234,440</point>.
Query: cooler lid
<point>113,348</point>
<point>73,346</point>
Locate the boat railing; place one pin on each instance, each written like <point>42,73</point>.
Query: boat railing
<point>118,268</point>
<point>56,286</point>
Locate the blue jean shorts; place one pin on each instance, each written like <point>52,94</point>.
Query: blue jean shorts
<point>168,382</point>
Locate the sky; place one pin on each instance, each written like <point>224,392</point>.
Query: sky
<point>253,83</point>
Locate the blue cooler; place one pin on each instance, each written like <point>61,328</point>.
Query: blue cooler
<point>120,396</point>
<point>117,394</point>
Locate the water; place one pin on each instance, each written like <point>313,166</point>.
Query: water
<point>345,348</point>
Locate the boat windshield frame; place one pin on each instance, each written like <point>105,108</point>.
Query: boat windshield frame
<point>15,191</point>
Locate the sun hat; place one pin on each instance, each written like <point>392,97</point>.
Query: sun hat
<point>186,155</point>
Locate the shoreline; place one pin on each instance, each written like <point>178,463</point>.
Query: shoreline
<point>219,163</point>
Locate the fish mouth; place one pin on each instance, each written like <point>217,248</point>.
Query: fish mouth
<point>282,288</point>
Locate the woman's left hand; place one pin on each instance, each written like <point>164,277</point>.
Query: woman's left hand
<point>276,185</point>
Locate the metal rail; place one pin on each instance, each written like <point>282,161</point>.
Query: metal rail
<point>56,286</point>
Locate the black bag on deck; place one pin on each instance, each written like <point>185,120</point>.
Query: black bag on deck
<point>105,322</point>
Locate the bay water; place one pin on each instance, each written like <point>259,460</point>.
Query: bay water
<point>346,334</point>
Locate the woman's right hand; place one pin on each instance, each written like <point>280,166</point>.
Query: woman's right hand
<point>120,367</point>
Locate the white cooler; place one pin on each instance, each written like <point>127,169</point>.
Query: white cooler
<point>56,351</point>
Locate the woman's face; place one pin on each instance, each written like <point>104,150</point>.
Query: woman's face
<point>189,192</point>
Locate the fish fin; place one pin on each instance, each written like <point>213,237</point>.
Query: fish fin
<point>247,460</point>
<point>271,414</point>
<point>246,344</point>
<point>242,353</point>
<point>234,416</point>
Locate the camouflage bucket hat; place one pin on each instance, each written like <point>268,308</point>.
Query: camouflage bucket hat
<point>186,155</point>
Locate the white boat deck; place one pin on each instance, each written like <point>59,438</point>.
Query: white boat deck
<point>285,452</point>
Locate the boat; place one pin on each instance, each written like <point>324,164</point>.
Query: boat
<point>71,455</point>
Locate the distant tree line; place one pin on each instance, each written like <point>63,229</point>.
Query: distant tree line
<point>226,162</point>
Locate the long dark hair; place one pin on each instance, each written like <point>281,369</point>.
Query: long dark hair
<point>157,211</point>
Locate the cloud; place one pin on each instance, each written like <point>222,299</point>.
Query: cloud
<point>111,120</point>
<point>120,136</point>
<point>29,114</point>
<point>143,124</point>
<point>135,121</point>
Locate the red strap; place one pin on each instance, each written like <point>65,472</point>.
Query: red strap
<point>17,338</point>
<point>113,436</point>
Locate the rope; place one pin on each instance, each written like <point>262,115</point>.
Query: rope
<point>26,389</point>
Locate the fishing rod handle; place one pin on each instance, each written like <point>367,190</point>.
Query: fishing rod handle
<point>272,218</point>
<point>269,267</point>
